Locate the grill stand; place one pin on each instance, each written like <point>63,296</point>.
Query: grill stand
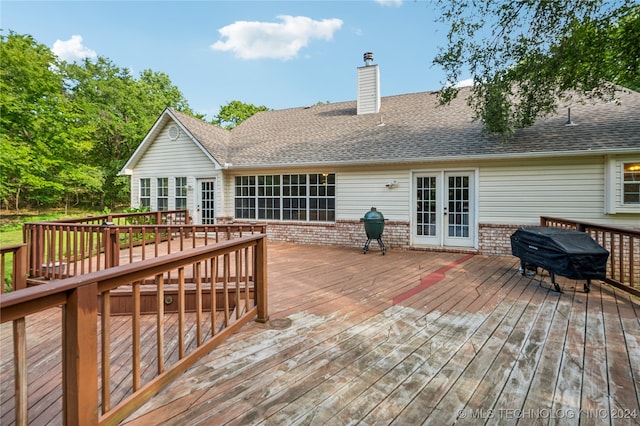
<point>524,267</point>
<point>380,243</point>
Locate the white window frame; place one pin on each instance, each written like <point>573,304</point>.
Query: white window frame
<point>259,197</point>
<point>614,185</point>
<point>162,193</point>
<point>625,184</point>
<point>180,196</point>
<point>145,193</point>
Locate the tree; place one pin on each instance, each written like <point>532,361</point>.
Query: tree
<point>66,129</point>
<point>234,113</point>
<point>525,56</point>
<point>118,111</point>
<point>35,124</point>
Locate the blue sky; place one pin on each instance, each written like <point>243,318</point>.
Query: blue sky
<point>279,54</point>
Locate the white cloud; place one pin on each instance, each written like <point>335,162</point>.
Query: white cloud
<point>464,83</point>
<point>396,3</point>
<point>72,49</point>
<point>258,40</point>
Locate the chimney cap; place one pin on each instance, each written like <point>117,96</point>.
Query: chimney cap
<point>368,57</point>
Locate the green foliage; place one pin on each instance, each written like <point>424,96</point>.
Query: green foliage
<point>66,129</point>
<point>525,56</point>
<point>234,113</point>
<point>32,122</point>
<point>142,219</point>
<point>118,111</point>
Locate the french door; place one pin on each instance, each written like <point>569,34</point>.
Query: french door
<point>206,204</point>
<point>444,213</point>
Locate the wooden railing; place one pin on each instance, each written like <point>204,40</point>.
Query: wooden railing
<point>165,217</point>
<point>623,267</point>
<point>13,267</point>
<point>237,266</point>
<point>56,245</point>
<point>61,249</point>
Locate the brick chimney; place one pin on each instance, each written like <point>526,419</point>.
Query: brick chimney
<point>368,87</point>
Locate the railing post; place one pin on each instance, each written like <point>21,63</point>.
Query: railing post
<point>111,245</point>
<point>36,247</point>
<point>80,361</point>
<point>20,366</point>
<point>20,268</point>
<point>261,286</point>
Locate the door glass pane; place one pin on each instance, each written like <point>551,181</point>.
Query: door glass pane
<point>458,206</point>
<point>426,206</point>
<point>208,202</point>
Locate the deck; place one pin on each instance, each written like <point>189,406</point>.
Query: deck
<point>468,338</point>
<point>411,337</point>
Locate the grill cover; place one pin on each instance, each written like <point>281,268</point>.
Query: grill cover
<point>572,254</point>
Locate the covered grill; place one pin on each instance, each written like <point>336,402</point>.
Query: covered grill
<point>373,226</point>
<point>571,254</point>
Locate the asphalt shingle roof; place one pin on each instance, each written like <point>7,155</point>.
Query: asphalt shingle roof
<point>213,138</point>
<point>412,128</point>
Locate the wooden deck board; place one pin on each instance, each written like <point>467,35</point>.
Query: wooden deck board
<point>595,360</point>
<point>622,383</point>
<point>450,386</point>
<point>478,343</point>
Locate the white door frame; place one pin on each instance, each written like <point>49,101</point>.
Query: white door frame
<point>205,205</point>
<point>436,206</point>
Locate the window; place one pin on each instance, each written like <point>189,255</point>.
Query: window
<point>288,197</point>
<point>269,197</point>
<point>294,197</point>
<point>631,183</point>
<point>163,194</point>
<point>245,201</point>
<point>322,197</point>
<point>145,193</point>
<point>181,193</point>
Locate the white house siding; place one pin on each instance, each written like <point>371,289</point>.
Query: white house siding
<point>358,191</point>
<point>519,192</point>
<point>174,158</point>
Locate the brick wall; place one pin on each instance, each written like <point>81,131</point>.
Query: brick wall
<point>342,232</point>
<point>493,239</point>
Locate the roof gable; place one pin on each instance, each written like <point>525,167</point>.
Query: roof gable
<point>210,139</point>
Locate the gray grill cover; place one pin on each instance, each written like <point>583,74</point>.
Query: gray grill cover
<point>572,254</point>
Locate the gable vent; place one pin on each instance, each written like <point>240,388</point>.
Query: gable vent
<point>368,87</point>
<point>174,132</point>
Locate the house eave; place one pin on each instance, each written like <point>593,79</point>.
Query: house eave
<point>439,159</point>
